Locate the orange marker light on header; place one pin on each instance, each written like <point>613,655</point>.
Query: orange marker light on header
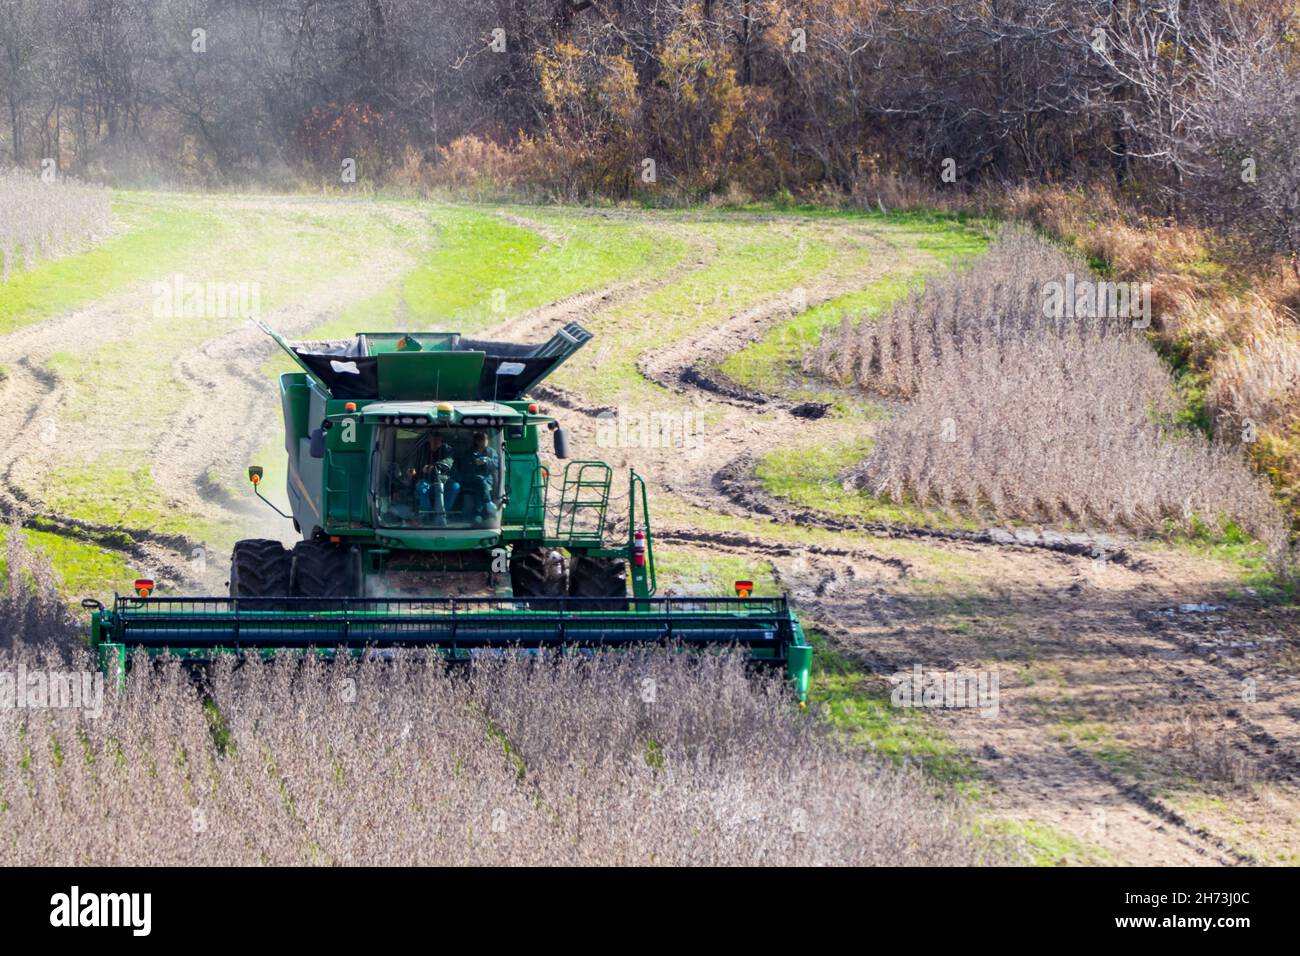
<point>144,587</point>
<point>744,589</point>
<point>350,407</point>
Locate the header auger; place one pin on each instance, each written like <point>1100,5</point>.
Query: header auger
<point>416,481</point>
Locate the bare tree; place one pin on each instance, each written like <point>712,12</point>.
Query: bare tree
<point>1243,139</point>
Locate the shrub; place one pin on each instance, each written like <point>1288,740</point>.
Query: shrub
<point>469,166</point>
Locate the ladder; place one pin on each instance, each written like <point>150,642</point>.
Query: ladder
<point>584,499</point>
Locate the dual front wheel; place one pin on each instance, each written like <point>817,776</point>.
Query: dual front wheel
<point>543,572</point>
<point>260,567</point>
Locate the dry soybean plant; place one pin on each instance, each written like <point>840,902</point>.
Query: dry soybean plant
<point>999,299</point>
<point>31,610</point>
<point>1018,416</point>
<point>619,759</point>
<point>43,220</point>
<point>640,758</point>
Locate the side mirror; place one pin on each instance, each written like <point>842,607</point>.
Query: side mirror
<point>255,476</point>
<point>318,443</point>
<point>561,443</point>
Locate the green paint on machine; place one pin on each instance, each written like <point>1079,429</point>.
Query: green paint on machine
<point>416,481</point>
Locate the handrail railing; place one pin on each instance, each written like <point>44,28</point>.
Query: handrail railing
<point>636,482</point>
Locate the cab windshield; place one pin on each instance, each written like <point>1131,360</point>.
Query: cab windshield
<point>438,477</point>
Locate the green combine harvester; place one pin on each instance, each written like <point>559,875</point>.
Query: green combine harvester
<point>427,521</point>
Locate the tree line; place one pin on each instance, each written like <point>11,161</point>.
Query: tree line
<point>1183,105</point>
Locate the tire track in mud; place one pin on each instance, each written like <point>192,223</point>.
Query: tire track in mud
<point>232,409</point>
<point>227,414</point>
<point>1144,807</point>
<point>672,365</point>
<point>30,398</point>
<point>544,321</point>
<point>1206,842</point>
<point>1061,783</point>
<point>738,480</point>
<point>686,367</point>
<point>748,543</point>
<point>752,428</point>
<point>1261,747</point>
<point>212,427</point>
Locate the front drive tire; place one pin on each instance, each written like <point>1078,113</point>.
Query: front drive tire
<point>604,578</point>
<point>537,572</point>
<point>321,569</point>
<point>259,568</point>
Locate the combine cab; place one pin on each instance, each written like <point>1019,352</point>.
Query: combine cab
<point>428,520</point>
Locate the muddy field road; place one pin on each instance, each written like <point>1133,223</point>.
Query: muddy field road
<point>1148,703</point>
<point>1113,625</point>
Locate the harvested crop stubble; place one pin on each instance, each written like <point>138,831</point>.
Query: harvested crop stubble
<point>562,762</point>
<point>1031,418</point>
<point>43,220</point>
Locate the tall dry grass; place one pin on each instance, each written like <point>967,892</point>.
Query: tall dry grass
<point>309,762</point>
<point>644,758</point>
<point>32,612</point>
<point>1020,417</point>
<point>43,220</point>
<point>1257,374</point>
